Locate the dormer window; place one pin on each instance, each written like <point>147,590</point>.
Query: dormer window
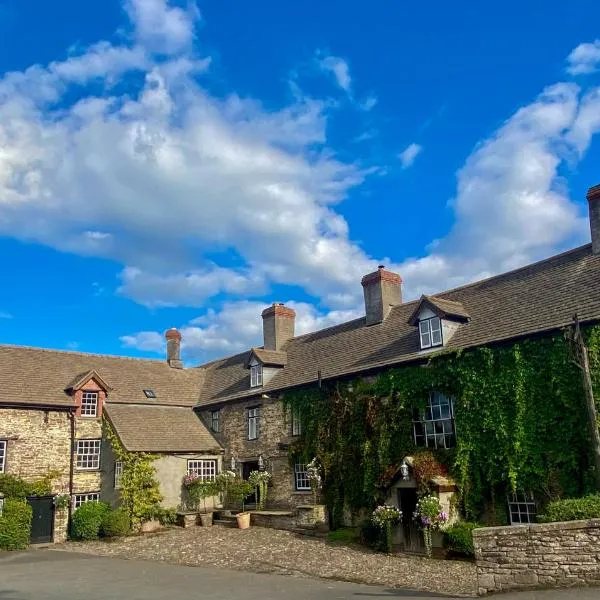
<point>430,331</point>
<point>256,375</point>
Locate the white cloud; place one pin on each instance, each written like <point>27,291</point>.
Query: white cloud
<point>370,103</point>
<point>5,315</point>
<point>147,341</point>
<point>584,59</point>
<point>340,70</point>
<point>409,154</point>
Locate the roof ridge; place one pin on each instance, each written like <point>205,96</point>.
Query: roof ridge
<point>92,354</point>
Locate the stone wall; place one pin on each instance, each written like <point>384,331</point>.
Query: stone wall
<point>539,555</point>
<point>273,439</point>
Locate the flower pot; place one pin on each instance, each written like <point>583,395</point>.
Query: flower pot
<point>206,519</point>
<point>243,520</point>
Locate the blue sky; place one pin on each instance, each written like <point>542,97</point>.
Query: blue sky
<point>177,164</point>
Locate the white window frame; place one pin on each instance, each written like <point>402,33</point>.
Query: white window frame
<point>88,454</point>
<point>79,499</point>
<point>206,469</point>
<point>118,474</point>
<point>256,375</point>
<point>3,449</point>
<point>428,328</point>
<point>296,422</point>
<point>301,480</point>
<point>89,404</point>
<point>435,426</point>
<point>215,417</point>
<point>522,509</point>
<point>253,422</point>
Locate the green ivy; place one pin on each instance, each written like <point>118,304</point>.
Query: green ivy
<point>140,491</point>
<point>520,420</point>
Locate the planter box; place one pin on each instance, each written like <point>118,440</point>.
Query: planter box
<point>187,519</point>
<point>206,519</point>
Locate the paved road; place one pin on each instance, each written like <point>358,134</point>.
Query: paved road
<point>56,575</point>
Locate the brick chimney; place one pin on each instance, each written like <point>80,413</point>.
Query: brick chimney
<point>593,198</point>
<point>278,325</point>
<point>174,348</point>
<point>382,290</point>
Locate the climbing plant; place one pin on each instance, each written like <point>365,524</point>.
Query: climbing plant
<point>519,415</point>
<point>140,490</point>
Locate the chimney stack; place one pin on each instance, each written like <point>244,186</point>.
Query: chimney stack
<point>593,198</point>
<point>382,290</point>
<point>278,325</point>
<point>174,348</point>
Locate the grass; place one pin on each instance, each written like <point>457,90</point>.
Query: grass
<point>345,535</point>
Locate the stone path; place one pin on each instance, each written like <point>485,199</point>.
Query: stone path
<point>273,551</point>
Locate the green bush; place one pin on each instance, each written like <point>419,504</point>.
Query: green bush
<point>572,509</point>
<point>166,516</point>
<point>345,535</point>
<point>15,487</point>
<point>115,523</point>
<point>373,536</point>
<point>459,538</point>
<point>15,524</point>
<point>87,520</point>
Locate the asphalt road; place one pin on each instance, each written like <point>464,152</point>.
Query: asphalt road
<point>56,575</point>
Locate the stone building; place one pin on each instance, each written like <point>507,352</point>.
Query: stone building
<point>229,413</point>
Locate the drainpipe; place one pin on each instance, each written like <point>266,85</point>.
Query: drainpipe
<point>71,467</point>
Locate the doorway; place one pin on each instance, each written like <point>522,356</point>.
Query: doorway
<point>247,468</point>
<point>407,502</point>
<point>42,522</point>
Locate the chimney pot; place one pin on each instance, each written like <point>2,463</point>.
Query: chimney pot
<point>278,325</point>
<point>382,290</point>
<point>593,198</point>
<point>173,337</point>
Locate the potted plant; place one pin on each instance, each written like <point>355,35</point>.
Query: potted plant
<point>239,490</point>
<point>223,481</point>
<point>260,481</point>
<point>385,517</point>
<point>206,489</point>
<point>313,472</point>
<point>430,516</point>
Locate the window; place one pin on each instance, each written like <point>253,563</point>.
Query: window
<point>522,509</point>
<point>215,421</point>
<point>253,416</point>
<point>2,455</point>
<point>118,473</point>
<point>80,499</point>
<point>434,428</point>
<point>206,469</point>
<point>256,375</point>
<point>150,393</point>
<point>88,454</point>
<point>89,404</point>
<point>301,477</point>
<point>296,422</point>
<point>430,331</point>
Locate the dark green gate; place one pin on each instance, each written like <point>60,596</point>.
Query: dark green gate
<point>42,522</point>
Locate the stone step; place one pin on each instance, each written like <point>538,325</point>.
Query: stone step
<point>225,522</point>
<point>309,530</point>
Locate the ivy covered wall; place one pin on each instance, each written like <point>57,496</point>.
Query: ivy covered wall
<point>520,420</point>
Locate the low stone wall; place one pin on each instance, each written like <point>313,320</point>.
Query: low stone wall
<point>538,555</point>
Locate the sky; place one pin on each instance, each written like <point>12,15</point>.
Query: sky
<point>184,164</point>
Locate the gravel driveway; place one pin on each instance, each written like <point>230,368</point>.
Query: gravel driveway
<point>274,551</point>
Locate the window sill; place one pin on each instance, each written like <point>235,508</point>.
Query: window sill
<point>81,470</point>
<point>301,492</point>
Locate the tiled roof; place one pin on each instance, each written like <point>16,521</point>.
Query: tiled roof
<point>441,306</point>
<point>146,428</point>
<point>540,297</point>
<point>39,376</point>
<point>270,357</point>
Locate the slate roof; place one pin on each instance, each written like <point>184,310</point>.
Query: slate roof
<point>536,298</point>
<point>147,428</point>
<point>38,376</point>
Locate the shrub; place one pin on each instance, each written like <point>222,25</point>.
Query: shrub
<point>15,487</point>
<point>87,520</point>
<point>372,536</point>
<point>345,535</point>
<point>572,509</point>
<point>166,516</point>
<point>15,524</point>
<point>459,538</point>
<point>115,523</point>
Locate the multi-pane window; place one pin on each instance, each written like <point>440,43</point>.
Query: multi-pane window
<point>88,454</point>
<point>215,421</point>
<point>118,473</point>
<point>522,509</point>
<point>430,331</point>
<point>80,499</point>
<point>301,479</point>
<point>434,427</point>
<point>89,404</point>
<point>296,422</point>
<point>256,375</point>
<point>253,417</point>
<point>205,469</point>
<point>2,455</point>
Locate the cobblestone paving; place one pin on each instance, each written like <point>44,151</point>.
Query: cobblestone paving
<point>273,551</point>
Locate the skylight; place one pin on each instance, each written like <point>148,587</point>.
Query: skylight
<point>150,393</point>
